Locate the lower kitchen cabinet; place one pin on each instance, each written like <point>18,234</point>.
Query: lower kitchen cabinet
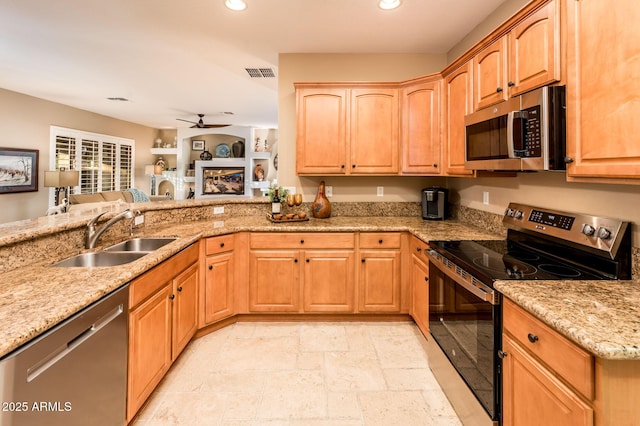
<point>546,378</point>
<point>420,285</point>
<point>274,281</point>
<point>162,321</point>
<point>217,287</point>
<point>328,281</point>
<point>379,277</point>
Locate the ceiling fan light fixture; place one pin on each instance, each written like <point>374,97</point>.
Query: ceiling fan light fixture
<point>235,4</point>
<point>388,4</point>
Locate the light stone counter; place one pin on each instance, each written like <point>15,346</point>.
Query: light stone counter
<point>603,317</point>
<point>36,297</point>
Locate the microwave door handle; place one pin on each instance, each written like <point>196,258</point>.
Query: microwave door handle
<point>510,142</point>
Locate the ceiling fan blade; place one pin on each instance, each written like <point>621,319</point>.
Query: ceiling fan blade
<point>188,121</point>
<point>214,126</point>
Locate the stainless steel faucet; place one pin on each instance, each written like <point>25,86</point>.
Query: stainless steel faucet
<point>92,235</point>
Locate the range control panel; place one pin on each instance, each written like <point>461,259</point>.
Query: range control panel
<point>592,231</point>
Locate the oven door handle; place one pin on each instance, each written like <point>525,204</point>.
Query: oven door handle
<point>476,290</point>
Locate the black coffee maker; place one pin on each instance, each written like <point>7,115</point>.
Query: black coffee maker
<point>435,203</point>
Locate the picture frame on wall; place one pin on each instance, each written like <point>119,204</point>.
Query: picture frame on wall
<point>18,170</point>
<point>197,145</point>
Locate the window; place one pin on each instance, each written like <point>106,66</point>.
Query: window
<point>106,163</point>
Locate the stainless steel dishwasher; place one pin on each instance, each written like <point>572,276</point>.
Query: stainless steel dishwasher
<point>74,374</point>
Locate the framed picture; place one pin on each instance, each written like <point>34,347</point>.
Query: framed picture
<point>197,145</point>
<point>18,170</point>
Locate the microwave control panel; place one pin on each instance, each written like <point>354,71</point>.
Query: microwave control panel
<point>532,132</point>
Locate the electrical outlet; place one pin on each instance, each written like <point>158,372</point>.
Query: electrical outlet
<point>218,210</point>
<point>485,197</point>
<point>138,220</point>
<point>328,191</point>
<point>380,192</point>
<point>291,189</point>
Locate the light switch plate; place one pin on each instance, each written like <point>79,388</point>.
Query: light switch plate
<point>380,191</point>
<point>218,210</point>
<point>138,220</point>
<point>328,191</point>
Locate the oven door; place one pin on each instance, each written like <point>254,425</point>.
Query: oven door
<point>466,324</point>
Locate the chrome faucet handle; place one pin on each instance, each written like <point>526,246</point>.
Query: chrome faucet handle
<point>92,222</point>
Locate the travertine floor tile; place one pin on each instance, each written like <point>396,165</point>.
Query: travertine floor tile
<point>301,374</point>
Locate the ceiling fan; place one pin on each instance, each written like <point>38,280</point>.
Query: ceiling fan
<point>200,123</point>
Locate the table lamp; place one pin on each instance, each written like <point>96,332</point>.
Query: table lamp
<point>61,180</point>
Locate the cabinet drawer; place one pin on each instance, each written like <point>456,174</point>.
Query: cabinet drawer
<point>221,244</point>
<point>151,281</point>
<point>386,240</point>
<point>570,362</point>
<point>278,240</point>
<point>419,249</point>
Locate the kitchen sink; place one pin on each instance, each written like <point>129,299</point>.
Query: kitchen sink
<point>101,258</point>
<point>140,244</point>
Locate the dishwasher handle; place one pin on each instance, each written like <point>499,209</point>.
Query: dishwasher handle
<point>65,349</point>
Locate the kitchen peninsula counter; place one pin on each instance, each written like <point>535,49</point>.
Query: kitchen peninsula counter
<point>38,296</point>
<point>600,316</point>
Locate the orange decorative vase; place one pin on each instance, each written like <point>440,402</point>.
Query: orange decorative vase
<point>321,207</point>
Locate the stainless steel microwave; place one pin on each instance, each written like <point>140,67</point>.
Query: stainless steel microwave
<point>524,133</point>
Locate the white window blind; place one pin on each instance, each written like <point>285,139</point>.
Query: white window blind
<point>106,163</point>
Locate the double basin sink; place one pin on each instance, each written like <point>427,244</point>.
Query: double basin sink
<point>118,254</point>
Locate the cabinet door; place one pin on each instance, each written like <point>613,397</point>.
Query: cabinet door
<point>185,309</point>
<point>458,102</point>
<point>602,89</point>
<point>274,281</point>
<point>379,282</point>
<point>218,286</point>
<point>534,50</point>
<point>374,131</point>
<point>329,281</point>
<point>149,347</point>
<point>420,294</point>
<point>533,396</point>
<point>490,74</point>
<point>321,132</point>
<point>421,128</point>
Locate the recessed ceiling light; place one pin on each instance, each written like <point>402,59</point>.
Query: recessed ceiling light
<point>388,4</point>
<point>235,4</point>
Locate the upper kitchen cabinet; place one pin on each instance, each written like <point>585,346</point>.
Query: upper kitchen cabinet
<point>525,58</point>
<point>457,102</point>
<point>421,153</point>
<point>321,145</point>
<point>602,89</point>
<point>347,130</point>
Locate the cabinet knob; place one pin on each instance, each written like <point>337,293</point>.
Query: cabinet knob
<point>301,241</point>
<point>180,288</point>
<point>353,166</point>
<point>210,267</point>
<point>173,296</point>
<point>221,245</point>
<point>511,84</point>
<point>295,260</point>
<point>499,89</point>
<point>362,261</point>
<point>502,355</point>
<point>568,160</point>
<point>418,249</point>
<point>342,166</point>
<point>435,165</point>
<point>426,279</point>
<point>380,241</point>
<point>308,260</point>
<point>532,338</point>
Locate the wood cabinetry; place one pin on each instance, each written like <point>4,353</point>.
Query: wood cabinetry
<point>347,129</point>
<point>525,58</point>
<point>457,102</point>
<point>379,275</point>
<point>420,284</point>
<point>546,378</point>
<point>421,153</point>
<point>301,272</point>
<point>602,124</point>
<point>217,287</point>
<point>162,320</point>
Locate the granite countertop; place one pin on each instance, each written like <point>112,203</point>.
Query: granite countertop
<point>34,298</point>
<point>602,317</point>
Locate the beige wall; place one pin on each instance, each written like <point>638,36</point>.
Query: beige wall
<point>345,67</point>
<point>25,123</point>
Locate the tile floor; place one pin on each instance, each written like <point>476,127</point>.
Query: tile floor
<point>333,374</point>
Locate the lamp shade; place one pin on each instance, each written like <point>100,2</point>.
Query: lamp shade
<point>61,178</point>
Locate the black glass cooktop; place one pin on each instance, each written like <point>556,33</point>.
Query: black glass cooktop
<point>506,260</point>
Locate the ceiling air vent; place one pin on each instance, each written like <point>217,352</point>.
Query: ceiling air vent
<point>260,72</point>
